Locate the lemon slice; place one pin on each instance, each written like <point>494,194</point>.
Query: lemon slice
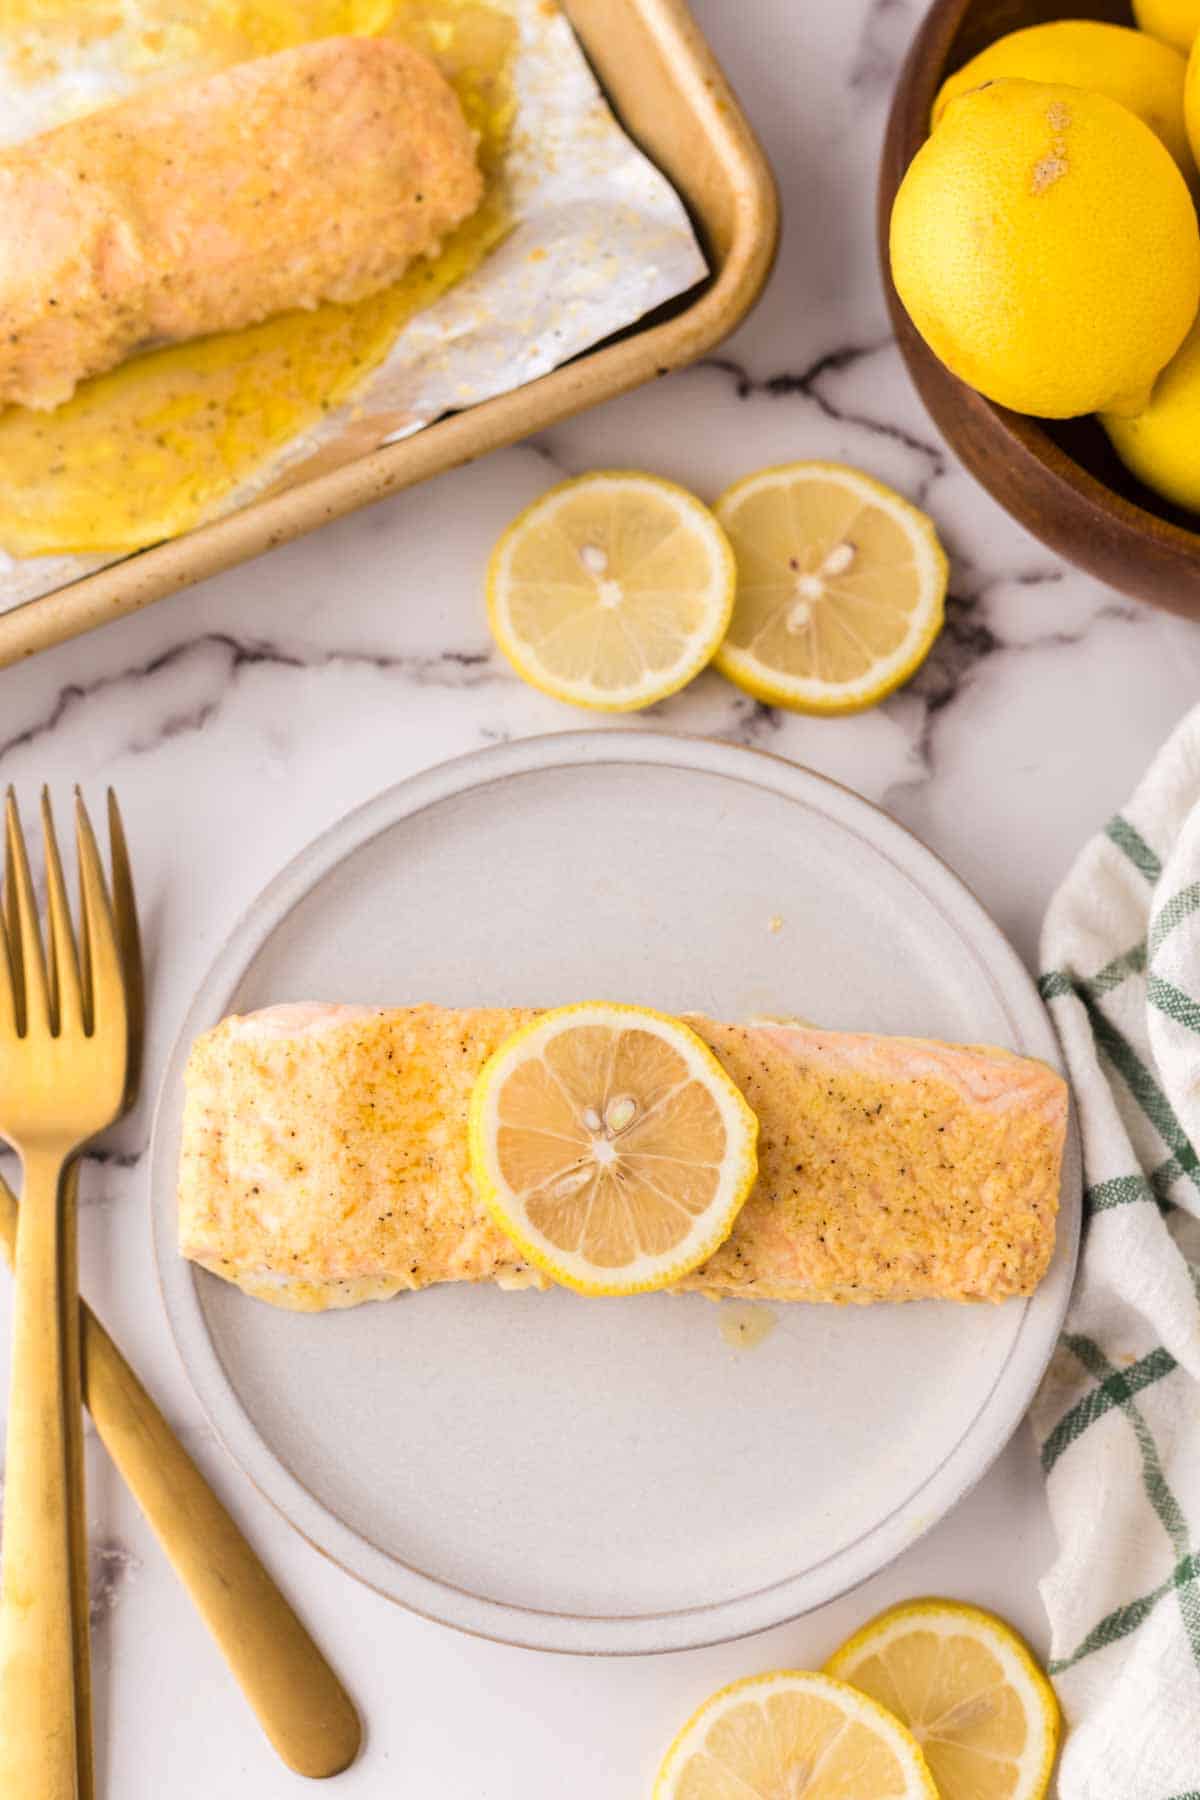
<point>840,587</point>
<point>984,1714</point>
<point>610,1145</point>
<point>795,1735</point>
<point>611,591</point>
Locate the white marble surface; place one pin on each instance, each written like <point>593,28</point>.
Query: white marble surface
<point>240,718</point>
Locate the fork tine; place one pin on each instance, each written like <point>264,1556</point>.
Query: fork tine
<point>129,940</point>
<point>66,995</point>
<point>8,998</point>
<point>104,988</point>
<point>24,937</point>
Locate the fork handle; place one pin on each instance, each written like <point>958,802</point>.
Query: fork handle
<point>38,1748</point>
<point>299,1701</point>
<point>76,1490</point>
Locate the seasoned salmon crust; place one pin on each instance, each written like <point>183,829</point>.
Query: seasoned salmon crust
<point>318,173</point>
<point>325,1161</point>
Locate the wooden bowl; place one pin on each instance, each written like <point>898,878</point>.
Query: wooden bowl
<point>1061,479</point>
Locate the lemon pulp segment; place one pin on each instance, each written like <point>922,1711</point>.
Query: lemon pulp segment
<point>610,1145</point>
<point>966,1686</point>
<point>612,590</point>
<point>793,1736</point>
<point>840,587</point>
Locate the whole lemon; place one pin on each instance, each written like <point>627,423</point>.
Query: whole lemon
<point>1045,246</point>
<point>1191,100</point>
<point>1161,444</point>
<point>1174,21</point>
<point>1143,74</point>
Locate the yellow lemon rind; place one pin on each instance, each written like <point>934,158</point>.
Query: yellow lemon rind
<point>1157,445</point>
<point>585,694</point>
<point>1168,21</point>
<point>988,1628</point>
<point>719,1219</point>
<point>821,1685</point>
<point>823,699</point>
<point>1044,244</point>
<point>1139,71</point>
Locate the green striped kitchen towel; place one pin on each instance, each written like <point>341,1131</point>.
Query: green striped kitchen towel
<point>1118,1416</point>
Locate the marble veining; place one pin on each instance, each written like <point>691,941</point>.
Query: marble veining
<point>111,1566</point>
<point>224,656</point>
<point>886,28</point>
<point>241,718</point>
<point>811,383</point>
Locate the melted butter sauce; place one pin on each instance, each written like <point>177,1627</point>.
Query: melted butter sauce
<point>150,449</point>
<point>745,1323</point>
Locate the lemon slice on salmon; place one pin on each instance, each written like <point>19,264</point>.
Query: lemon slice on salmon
<point>967,1687</point>
<point>611,591</point>
<point>840,587</point>
<point>611,1147</point>
<point>793,1734</point>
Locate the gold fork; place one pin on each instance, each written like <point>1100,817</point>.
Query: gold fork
<point>300,1703</point>
<point>63,1063</point>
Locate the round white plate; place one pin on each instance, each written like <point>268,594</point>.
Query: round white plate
<point>612,1475</point>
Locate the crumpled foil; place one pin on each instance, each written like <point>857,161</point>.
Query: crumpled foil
<point>599,239</point>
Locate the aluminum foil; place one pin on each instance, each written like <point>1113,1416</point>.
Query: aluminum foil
<point>599,239</point>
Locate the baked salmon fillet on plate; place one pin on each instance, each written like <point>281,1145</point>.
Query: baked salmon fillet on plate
<point>325,1160</point>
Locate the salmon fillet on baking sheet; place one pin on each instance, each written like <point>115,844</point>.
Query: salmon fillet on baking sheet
<point>318,173</point>
<point>325,1162</point>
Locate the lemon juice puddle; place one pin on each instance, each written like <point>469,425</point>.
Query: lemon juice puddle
<point>151,449</point>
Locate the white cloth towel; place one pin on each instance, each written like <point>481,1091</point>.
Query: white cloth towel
<point>1118,1416</point>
